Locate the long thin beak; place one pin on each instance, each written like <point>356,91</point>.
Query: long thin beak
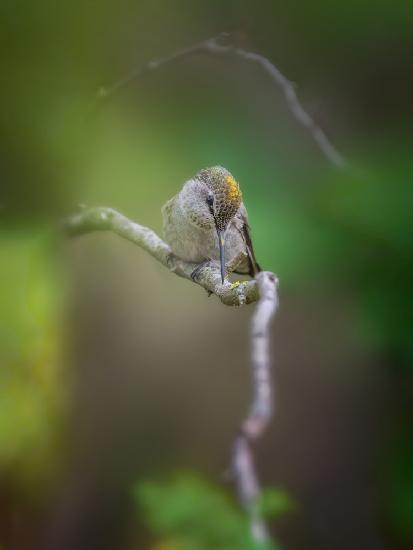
<point>221,242</point>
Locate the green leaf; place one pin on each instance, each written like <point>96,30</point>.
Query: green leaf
<point>189,512</point>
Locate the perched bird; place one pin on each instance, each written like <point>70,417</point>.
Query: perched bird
<point>207,220</point>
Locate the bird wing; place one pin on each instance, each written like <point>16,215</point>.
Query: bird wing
<point>250,266</point>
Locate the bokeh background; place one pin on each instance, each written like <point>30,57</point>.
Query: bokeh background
<point>115,375</point>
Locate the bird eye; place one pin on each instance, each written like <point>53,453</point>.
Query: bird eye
<point>210,201</point>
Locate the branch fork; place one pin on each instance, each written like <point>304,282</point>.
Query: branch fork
<point>209,277</point>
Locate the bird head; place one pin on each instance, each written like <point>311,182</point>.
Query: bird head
<point>223,194</point>
<point>223,199</point>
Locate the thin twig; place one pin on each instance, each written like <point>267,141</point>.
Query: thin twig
<point>209,277</point>
<point>215,47</point>
<point>261,408</point>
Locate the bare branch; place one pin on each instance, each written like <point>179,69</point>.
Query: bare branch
<point>263,288</point>
<point>295,106</point>
<point>261,408</point>
<point>209,277</point>
<point>215,47</point>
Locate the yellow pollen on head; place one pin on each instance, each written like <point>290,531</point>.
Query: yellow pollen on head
<point>233,190</point>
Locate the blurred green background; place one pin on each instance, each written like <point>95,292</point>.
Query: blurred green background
<point>115,375</point>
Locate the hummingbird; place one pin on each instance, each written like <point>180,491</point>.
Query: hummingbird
<point>207,221</point>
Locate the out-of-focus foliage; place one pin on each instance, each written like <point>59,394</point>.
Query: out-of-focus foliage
<point>274,502</point>
<point>30,354</point>
<point>369,223</point>
<point>188,513</point>
<point>399,486</point>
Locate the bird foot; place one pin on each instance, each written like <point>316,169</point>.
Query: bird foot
<point>196,272</point>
